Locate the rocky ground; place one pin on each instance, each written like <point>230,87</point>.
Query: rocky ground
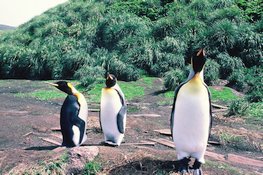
<point>29,138</point>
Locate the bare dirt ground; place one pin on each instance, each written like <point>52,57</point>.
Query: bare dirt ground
<point>26,121</point>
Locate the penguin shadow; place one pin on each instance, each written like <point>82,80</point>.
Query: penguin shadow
<point>49,148</point>
<point>146,166</point>
<point>159,92</point>
<point>42,148</point>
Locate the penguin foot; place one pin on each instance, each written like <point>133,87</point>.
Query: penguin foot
<point>197,168</point>
<point>184,165</point>
<point>198,172</point>
<point>109,143</point>
<point>183,172</point>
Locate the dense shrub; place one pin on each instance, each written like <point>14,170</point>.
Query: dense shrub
<point>173,78</point>
<point>255,82</point>
<point>88,75</point>
<point>251,9</point>
<point>123,71</point>
<point>228,64</point>
<point>211,72</point>
<point>150,9</point>
<point>237,80</point>
<point>238,107</point>
<point>72,61</point>
<point>166,62</point>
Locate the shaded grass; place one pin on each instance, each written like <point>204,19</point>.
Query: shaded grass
<point>238,142</point>
<point>223,167</point>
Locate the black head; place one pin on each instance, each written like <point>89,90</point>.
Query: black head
<point>63,86</point>
<point>111,80</point>
<point>198,60</point>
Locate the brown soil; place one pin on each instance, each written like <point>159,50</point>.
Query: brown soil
<point>25,121</point>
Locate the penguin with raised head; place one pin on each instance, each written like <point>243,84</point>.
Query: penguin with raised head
<point>191,117</point>
<point>113,111</point>
<point>73,115</point>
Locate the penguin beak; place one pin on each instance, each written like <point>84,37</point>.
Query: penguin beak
<point>109,77</point>
<point>201,53</point>
<point>52,84</point>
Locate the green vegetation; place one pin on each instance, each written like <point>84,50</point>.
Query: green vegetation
<point>173,78</point>
<point>238,107</point>
<point>43,94</point>
<point>57,166</point>
<point>130,89</point>
<point>224,94</point>
<point>133,109</point>
<point>241,107</point>
<point>225,168</point>
<point>92,168</point>
<point>255,111</point>
<point>148,81</point>
<point>84,40</point>
<point>237,142</point>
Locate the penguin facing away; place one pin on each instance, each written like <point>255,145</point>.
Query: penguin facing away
<point>191,117</point>
<point>73,115</point>
<point>113,111</point>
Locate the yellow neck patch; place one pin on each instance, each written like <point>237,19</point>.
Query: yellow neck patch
<point>195,84</point>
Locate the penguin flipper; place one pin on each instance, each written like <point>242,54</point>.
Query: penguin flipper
<point>210,111</point>
<point>122,113</point>
<point>120,119</point>
<point>81,125</point>
<point>100,122</point>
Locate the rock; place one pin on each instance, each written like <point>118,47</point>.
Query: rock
<point>79,156</point>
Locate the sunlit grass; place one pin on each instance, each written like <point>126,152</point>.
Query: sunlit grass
<point>131,90</point>
<point>46,92</point>
<point>225,94</point>
<point>148,81</point>
<point>43,94</point>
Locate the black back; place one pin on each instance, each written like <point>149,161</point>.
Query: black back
<point>69,117</point>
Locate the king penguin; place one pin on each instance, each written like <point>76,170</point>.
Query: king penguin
<point>73,115</point>
<point>191,117</point>
<point>113,110</point>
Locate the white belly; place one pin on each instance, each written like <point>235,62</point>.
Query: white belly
<point>191,122</point>
<point>110,106</point>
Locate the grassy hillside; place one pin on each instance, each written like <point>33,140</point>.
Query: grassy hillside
<point>85,39</point>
